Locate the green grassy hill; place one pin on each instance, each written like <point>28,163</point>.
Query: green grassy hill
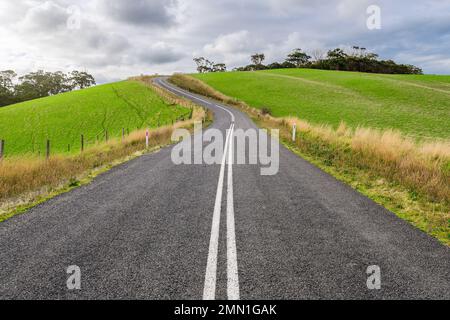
<point>419,106</point>
<point>63,118</point>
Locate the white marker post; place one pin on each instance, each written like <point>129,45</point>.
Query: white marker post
<point>146,138</point>
<point>294,131</point>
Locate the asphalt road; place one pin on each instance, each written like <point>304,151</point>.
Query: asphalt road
<point>150,229</point>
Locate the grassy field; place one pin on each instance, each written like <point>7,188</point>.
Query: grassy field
<point>418,106</point>
<point>64,118</point>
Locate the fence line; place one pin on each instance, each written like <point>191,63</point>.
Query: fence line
<point>84,142</point>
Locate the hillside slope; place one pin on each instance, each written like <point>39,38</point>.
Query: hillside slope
<point>419,106</point>
<point>64,118</point>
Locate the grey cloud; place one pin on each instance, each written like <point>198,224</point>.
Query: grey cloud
<point>140,12</point>
<point>121,37</point>
<point>160,53</point>
<point>234,48</point>
<point>45,17</point>
<point>104,42</point>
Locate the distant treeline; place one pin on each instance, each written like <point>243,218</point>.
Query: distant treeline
<point>355,59</point>
<point>40,84</point>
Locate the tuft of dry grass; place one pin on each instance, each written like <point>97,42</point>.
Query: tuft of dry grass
<point>25,179</point>
<point>411,178</point>
<point>197,86</point>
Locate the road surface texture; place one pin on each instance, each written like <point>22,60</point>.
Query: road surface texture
<point>150,229</point>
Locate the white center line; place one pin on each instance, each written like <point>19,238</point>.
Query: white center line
<point>209,290</point>
<point>232,267</point>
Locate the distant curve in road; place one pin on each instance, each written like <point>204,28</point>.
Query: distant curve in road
<point>149,229</point>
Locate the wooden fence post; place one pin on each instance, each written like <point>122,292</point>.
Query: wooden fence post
<point>82,143</point>
<point>123,133</point>
<point>47,152</point>
<point>294,132</point>
<point>2,149</point>
<point>146,138</point>
<point>106,135</point>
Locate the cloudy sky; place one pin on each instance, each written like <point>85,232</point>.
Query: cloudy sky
<point>114,39</point>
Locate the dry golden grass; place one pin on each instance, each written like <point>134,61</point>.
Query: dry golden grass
<point>197,86</point>
<point>25,179</point>
<point>419,167</point>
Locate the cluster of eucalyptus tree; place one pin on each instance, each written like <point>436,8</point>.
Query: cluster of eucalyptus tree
<point>39,84</point>
<point>204,66</point>
<point>353,59</point>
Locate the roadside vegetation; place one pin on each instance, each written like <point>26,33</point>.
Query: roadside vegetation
<point>26,180</point>
<point>409,176</point>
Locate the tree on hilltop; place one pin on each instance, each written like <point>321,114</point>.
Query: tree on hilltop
<point>298,58</point>
<point>258,58</point>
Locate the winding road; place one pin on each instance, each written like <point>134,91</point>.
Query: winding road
<point>150,229</point>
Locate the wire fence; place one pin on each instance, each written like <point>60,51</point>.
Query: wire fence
<point>47,146</point>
